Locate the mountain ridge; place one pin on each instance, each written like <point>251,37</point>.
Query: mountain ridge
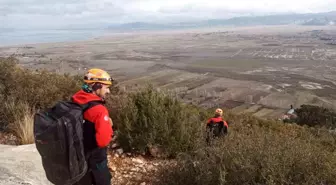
<point>309,19</point>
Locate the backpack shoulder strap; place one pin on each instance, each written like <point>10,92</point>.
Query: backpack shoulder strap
<point>91,104</point>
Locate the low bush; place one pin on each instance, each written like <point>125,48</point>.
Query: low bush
<point>316,116</point>
<point>148,118</point>
<point>37,89</point>
<point>254,154</point>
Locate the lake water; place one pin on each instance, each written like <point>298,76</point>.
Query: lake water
<point>18,37</point>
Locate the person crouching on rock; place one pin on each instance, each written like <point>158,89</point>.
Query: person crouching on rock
<point>216,127</point>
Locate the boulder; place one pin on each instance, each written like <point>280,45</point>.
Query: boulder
<point>21,165</point>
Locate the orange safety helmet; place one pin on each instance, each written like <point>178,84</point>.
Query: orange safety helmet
<point>219,112</point>
<point>97,75</point>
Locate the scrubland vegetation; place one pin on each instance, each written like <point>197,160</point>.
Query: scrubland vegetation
<point>255,151</point>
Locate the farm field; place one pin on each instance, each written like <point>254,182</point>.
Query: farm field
<point>259,70</point>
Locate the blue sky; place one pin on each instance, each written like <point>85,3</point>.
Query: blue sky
<point>41,14</point>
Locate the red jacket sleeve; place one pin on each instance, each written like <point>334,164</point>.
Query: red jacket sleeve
<point>100,118</point>
<point>225,124</point>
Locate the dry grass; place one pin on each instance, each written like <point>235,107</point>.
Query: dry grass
<point>24,127</point>
<point>23,121</point>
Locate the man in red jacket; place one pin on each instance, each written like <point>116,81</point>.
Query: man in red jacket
<point>216,126</point>
<point>97,127</point>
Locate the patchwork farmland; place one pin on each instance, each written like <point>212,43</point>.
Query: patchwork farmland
<point>259,70</point>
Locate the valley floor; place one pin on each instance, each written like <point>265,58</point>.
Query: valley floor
<point>261,70</point>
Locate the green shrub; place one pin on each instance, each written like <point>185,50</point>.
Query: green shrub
<point>259,155</point>
<point>316,116</point>
<point>37,89</point>
<point>150,118</point>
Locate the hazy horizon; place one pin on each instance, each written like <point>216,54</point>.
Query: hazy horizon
<point>30,21</point>
<point>37,14</point>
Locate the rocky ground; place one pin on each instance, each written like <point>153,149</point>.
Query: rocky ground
<point>126,168</point>
<point>21,165</point>
<point>135,169</point>
<point>8,139</point>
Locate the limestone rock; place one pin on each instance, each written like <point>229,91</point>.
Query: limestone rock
<point>21,165</point>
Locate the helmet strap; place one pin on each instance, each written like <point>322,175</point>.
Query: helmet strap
<point>87,88</point>
<point>91,88</point>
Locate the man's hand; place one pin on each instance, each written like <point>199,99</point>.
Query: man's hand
<point>111,122</point>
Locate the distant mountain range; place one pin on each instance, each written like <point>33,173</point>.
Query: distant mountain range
<point>312,19</point>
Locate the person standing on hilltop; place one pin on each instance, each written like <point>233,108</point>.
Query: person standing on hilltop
<point>97,127</point>
<point>216,126</point>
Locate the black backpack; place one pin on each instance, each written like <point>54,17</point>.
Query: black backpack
<point>217,129</point>
<point>59,140</point>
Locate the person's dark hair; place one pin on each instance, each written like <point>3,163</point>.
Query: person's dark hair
<point>89,88</point>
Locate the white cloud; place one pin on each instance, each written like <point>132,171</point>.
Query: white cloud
<point>64,13</point>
